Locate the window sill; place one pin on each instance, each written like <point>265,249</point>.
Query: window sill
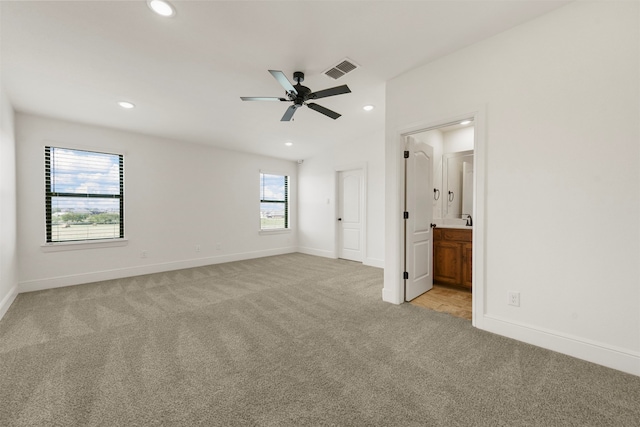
<point>76,246</point>
<point>275,231</point>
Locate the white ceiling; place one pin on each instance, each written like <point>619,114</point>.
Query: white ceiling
<point>74,60</point>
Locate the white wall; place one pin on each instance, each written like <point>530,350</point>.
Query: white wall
<point>553,92</point>
<point>8,239</point>
<point>317,197</point>
<point>458,140</point>
<point>177,195</point>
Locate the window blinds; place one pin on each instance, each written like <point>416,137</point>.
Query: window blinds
<point>84,195</point>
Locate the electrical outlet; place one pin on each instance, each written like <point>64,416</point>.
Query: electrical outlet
<point>143,254</point>
<point>513,298</point>
<point>197,248</point>
<point>218,247</point>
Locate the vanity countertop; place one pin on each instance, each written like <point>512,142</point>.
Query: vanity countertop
<point>457,223</point>
<point>458,227</point>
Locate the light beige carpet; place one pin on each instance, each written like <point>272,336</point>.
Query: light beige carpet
<point>291,340</point>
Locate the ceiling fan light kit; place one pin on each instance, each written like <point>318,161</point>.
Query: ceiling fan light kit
<point>300,95</point>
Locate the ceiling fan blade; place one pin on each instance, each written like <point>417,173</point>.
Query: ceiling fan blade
<point>289,113</point>
<point>338,90</point>
<point>262,98</point>
<point>325,111</point>
<point>284,82</point>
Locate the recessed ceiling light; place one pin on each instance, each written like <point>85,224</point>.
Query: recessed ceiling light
<point>466,122</point>
<point>367,107</point>
<point>288,144</point>
<point>126,104</point>
<point>161,7</point>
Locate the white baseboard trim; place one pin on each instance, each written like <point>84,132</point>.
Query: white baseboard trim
<point>8,300</point>
<point>602,354</point>
<point>372,262</point>
<point>317,252</point>
<point>78,279</point>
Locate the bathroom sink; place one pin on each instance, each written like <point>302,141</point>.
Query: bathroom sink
<point>453,223</point>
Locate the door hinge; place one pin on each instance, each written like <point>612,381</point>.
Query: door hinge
<point>406,215</point>
<point>406,154</point>
<point>405,275</point>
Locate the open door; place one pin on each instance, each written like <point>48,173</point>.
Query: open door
<point>418,257</point>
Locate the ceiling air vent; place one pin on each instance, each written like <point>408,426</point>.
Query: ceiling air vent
<point>341,69</point>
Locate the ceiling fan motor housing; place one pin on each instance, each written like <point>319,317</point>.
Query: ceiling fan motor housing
<point>302,96</point>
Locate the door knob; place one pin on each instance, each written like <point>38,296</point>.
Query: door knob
<point>433,225</point>
<point>339,219</point>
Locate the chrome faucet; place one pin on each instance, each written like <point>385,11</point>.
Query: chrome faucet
<point>469,221</point>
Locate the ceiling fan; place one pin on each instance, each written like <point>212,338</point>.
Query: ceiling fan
<point>299,95</point>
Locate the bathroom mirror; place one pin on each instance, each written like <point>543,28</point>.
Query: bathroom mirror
<point>457,183</point>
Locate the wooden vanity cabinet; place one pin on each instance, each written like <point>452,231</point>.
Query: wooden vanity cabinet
<point>452,250</point>
<point>466,263</point>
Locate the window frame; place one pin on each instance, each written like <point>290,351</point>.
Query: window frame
<point>50,195</point>
<point>286,201</point>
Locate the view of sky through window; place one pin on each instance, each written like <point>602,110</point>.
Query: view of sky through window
<point>272,187</point>
<point>84,172</point>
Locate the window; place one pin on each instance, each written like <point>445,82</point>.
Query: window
<point>84,195</point>
<point>274,202</point>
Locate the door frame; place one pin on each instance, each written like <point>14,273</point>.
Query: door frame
<point>394,284</point>
<point>361,166</point>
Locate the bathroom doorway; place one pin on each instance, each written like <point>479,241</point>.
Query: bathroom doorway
<point>450,214</point>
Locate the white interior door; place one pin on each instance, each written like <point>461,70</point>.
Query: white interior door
<point>350,215</point>
<point>419,208</point>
